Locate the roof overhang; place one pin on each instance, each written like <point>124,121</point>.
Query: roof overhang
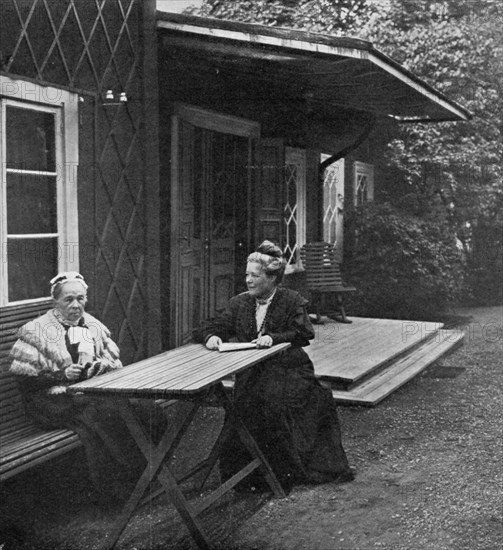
<point>327,72</point>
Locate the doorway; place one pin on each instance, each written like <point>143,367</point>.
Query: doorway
<point>210,214</point>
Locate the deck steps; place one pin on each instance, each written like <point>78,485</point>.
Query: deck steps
<point>373,390</point>
<point>347,355</point>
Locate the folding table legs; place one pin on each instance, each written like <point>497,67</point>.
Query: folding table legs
<point>158,455</point>
<point>156,467</point>
<point>233,420</point>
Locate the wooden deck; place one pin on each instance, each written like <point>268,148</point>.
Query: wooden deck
<point>365,361</point>
<point>347,353</point>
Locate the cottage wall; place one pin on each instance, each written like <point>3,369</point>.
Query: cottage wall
<point>89,48</point>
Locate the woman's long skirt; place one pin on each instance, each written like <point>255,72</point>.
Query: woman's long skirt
<point>294,421</point>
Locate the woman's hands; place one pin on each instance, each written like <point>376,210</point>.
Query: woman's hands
<point>81,372</point>
<point>74,372</point>
<point>213,342</point>
<point>264,341</point>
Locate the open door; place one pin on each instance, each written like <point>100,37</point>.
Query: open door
<point>210,212</point>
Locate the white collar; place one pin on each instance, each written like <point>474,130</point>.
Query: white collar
<point>265,302</point>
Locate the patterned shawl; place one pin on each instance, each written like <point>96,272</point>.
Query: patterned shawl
<point>41,346</point>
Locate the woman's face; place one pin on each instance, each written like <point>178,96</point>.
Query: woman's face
<point>71,300</point>
<point>258,283</point>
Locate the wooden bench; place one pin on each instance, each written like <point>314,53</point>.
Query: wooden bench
<point>23,444</point>
<point>323,276</point>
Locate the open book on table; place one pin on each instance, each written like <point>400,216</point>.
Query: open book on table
<point>234,346</point>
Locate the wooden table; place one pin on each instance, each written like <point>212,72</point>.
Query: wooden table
<point>191,374</point>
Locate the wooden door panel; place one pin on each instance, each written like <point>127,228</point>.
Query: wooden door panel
<point>227,191</point>
<point>223,289</point>
<point>269,191</point>
<point>185,234</point>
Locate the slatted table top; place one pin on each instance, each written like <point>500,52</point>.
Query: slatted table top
<point>184,370</point>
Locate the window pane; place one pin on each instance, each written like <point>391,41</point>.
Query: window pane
<point>31,265</point>
<point>31,142</point>
<point>31,204</point>
<point>290,212</point>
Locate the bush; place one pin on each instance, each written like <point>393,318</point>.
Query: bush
<point>485,263</point>
<point>403,266</point>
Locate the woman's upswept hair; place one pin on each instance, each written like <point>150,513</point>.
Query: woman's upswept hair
<point>270,257</point>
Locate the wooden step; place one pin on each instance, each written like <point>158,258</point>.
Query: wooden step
<point>373,390</point>
<point>347,355</point>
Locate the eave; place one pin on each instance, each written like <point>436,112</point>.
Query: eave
<point>327,72</point>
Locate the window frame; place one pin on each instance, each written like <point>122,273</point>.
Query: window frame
<point>334,209</point>
<point>363,169</point>
<point>64,105</point>
<point>297,157</point>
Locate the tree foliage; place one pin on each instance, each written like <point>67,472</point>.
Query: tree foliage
<point>458,48</point>
<point>327,16</point>
<point>403,266</point>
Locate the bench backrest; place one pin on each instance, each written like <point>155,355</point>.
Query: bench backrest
<point>320,264</point>
<point>12,415</point>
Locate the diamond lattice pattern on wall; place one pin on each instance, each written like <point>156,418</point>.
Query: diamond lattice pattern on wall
<point>92,46</point>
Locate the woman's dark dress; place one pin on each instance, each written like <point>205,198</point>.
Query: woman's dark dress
<point>291,416</point>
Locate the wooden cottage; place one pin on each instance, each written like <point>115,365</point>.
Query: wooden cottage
<point>153,151</point>
<point>255,123</point>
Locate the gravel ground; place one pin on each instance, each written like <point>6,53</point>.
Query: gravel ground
<point>429,476</point>
<point>429,462</point>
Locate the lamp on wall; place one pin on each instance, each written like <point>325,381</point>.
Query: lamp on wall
<point>110,98</point>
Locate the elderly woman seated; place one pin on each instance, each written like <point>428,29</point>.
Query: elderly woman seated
<point>64,346</point>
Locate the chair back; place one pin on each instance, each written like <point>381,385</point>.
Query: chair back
<point>320,264</point>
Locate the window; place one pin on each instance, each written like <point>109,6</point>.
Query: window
<point>38,212</point>
<point>295,205</point>
<point>333,204</point>
<point>364,183</point>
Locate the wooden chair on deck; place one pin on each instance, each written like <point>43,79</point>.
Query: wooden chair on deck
<point>323,277</point>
